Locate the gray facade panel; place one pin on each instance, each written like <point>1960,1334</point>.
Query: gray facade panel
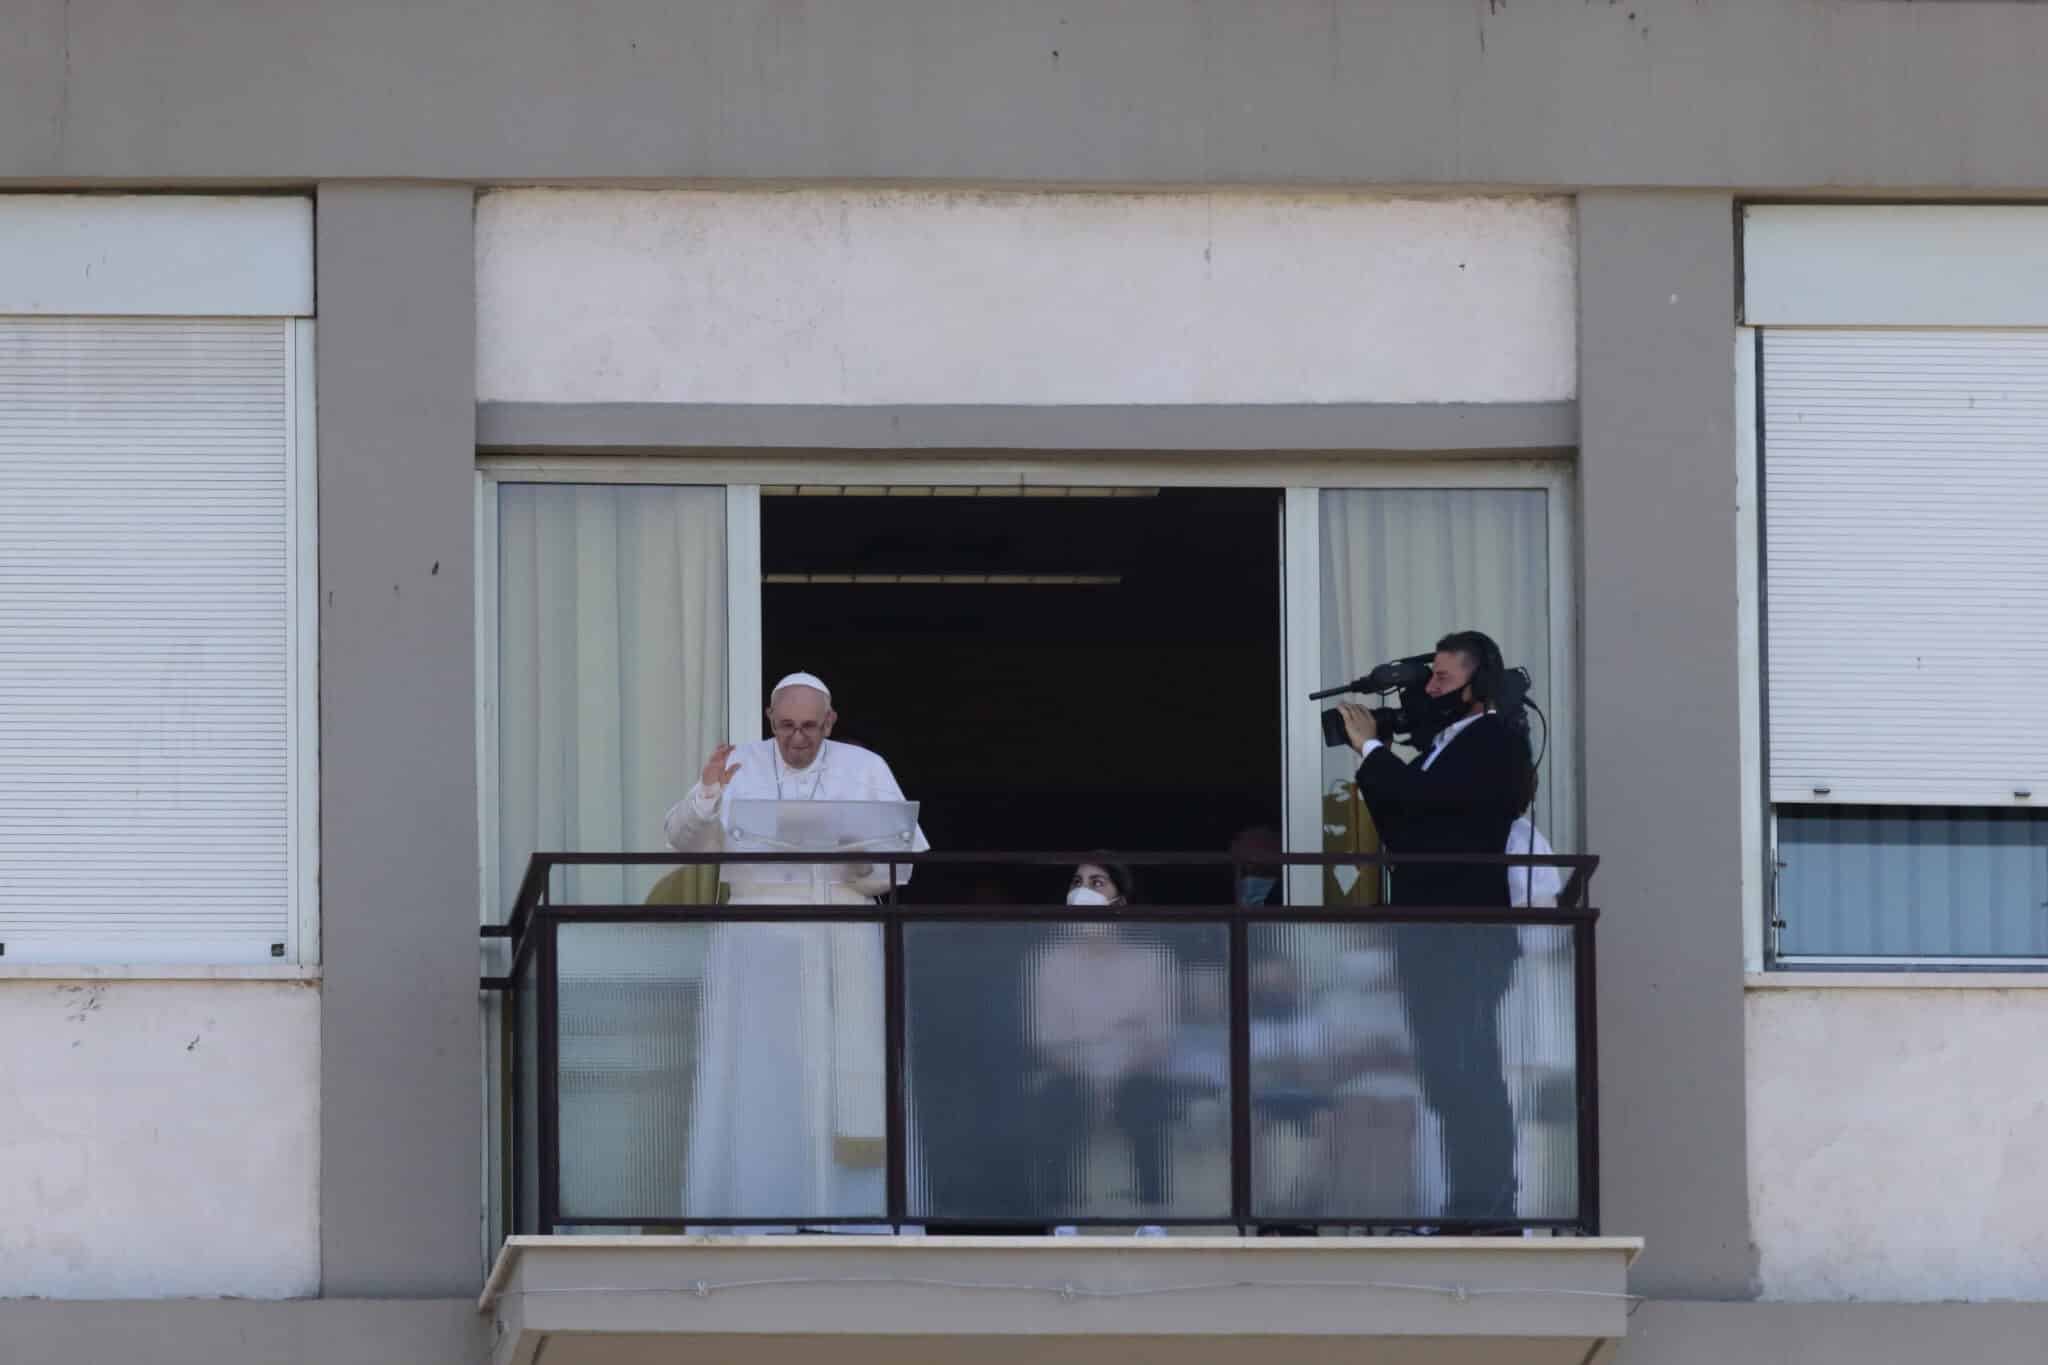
<point>1454,428</point>
<point>34,86</point>
<point>1779,94</point>
<point>227,1332</point>
<point>1676,1332</point>
<point>452,1332</point>
<point>1662,781</point>
<point>400,1054</point>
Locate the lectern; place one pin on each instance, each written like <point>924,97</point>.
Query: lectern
<point>880,827</point>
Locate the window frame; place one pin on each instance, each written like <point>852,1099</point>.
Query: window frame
<point>302,949</point>
<point>742,623</point>
<point>1302,550</point>
<point>1301,480</point>
<point>1760,814</point>
<point>742,475</point>
<point>303,669</point>
<point>1865,961</point>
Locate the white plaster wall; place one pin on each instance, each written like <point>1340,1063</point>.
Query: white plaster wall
<point>858,297</point>
<point>159,1139</point>
<point>1898,1143</point>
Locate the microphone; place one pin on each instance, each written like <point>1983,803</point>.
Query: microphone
<point>1412,671</point>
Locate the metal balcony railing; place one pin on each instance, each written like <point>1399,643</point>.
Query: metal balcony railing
<point>668,1062</point>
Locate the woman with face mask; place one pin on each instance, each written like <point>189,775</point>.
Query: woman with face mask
<point>1102,1007</point>
<point>1099,884</point>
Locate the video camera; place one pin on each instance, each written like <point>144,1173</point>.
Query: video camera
<point>1418,717</point>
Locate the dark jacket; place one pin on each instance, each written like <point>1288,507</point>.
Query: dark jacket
<point>1464,802</point>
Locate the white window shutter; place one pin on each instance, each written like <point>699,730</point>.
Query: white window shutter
<point>1906,562</point>
<point>147,719</point>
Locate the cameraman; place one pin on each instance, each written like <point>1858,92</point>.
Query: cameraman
<point>1461,796</point>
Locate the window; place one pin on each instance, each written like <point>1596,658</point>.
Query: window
<point>605,629</point>
<point>1396,569</point>
<point>1381,572</point>
<point>1904,473</point>
<point>611,670</point>
<point>157,718</point>
<point>625,620</point>
<point>1912,881</point>
<point>1402,567</point>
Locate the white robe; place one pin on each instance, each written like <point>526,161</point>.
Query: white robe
<point>789,1111</point>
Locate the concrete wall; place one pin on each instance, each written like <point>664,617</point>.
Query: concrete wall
<point>452,1332</point>
<point>1657,612</point>
<point>1671,1332</point>
<point>1774,93</point>
<point>158,1138</point>
<point>840,296</point>
<point>311,1332</point>
<point>401,1068</point>
<point>1896,1141</point>
<point>1785,95</point>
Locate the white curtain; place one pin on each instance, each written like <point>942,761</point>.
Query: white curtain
<point>611,669</point>
<point>611,690</point>
<point>1403,567</point>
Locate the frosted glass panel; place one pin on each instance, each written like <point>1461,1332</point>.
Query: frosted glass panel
<point>1066,1072</point>
<point>1412,1072</point>
<point>629,1008</point>
<point>1890,881</point>
<point>750,1087</point>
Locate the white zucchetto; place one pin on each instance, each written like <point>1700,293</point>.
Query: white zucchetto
<point>810,680</point>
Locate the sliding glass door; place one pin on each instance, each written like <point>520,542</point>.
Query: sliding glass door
<point>621,640</point>
<point>1378,573</point>
<point>611,669</point>
<point>607,651</point>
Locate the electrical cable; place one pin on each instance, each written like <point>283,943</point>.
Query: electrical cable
<point>1545,749</point>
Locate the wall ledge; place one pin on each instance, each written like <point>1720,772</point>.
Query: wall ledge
<point>1896,981</point>
<point>57,971</point>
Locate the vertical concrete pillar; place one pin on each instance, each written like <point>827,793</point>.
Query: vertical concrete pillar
<point>400,1057</point>
<point>1662,781</point>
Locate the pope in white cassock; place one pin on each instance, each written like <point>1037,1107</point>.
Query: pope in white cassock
<point>789,1106</point>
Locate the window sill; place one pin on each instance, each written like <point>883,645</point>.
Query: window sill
<point>57,971</point>
<point>1897,981</point>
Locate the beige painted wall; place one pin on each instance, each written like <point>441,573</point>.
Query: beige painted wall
<point>159,1139</point>
<point>1897,1141</point>
<point>852,297</point>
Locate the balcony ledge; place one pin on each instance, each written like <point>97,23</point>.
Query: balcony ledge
<point>996,1300</point>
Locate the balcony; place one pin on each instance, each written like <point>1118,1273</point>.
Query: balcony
<point>1014,1129</point>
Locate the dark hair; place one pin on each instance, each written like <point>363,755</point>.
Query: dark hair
<point>1126,884</point>
<point>1489,671</point>
<point>1487,662</point>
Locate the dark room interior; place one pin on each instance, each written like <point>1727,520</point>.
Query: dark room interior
<point>1132,703</point>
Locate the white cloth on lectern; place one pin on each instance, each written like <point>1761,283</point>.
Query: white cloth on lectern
<point>1532,886</point>
<point>789,1112</point>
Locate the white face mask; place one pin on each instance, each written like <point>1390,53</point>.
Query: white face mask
<point>1082,895</point>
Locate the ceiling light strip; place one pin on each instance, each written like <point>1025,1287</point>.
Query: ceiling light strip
<point>951,580</point>
<point>897,490</point>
